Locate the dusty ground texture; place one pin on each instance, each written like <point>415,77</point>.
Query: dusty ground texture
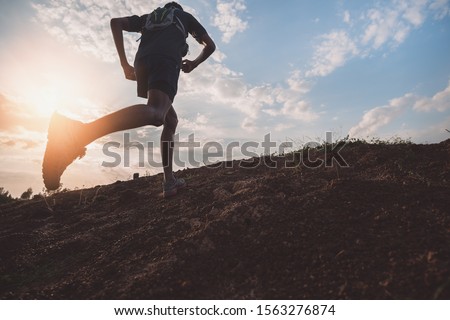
<point>379,229</point>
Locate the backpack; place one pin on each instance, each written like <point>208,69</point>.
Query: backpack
<point>162,18</point>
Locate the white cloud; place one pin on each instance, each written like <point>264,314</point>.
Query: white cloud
<point>227,18</point>
<point>378,117</point>
<point>298,83</point>
<point>346,17</point>
<point>201,124</point>
<point>283,127</point>
<point>439,102</point>
<point>249,124</point>
<point>441,8</point>
<point>290,102</point>
<point>415,12</point>
<point>218,56</point>
<point>333,51</point>
<point>84,24</point>
<point>385,24</point>
<point>220,86</point>
<point>381,116</point>
<point>392,24</point>
<point>299,110</point>
<point>433,133</point>
<point>380,26</point>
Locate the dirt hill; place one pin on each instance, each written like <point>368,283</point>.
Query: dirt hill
<point>379,229</point>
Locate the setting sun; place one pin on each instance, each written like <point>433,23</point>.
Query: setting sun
<point>47,79</point>
<point>46,99</point>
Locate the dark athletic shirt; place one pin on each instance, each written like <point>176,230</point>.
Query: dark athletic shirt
<point>168,42</point>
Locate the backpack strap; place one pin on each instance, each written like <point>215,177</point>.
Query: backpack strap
<point>180,26</point>
<point>164,13</point>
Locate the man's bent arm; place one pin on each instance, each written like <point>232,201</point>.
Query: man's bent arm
<point>209,48</point>
<point>117,27</point>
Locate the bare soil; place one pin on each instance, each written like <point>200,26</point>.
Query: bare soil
<point>379,229</point>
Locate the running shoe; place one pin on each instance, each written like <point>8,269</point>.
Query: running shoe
<point>171,188</point>
<point>62,149</point>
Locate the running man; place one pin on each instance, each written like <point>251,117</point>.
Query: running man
<point>156,69</point>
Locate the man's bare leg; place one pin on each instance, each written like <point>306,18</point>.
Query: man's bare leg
<point>170,125</point>
<point>171,183</point>
<point>67,138</point>
<point>152,113</point>
<point>158,111</point>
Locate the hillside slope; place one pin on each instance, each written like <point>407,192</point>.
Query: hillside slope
<point>379,229</point>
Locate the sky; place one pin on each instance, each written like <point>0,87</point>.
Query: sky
<point>294,69</point>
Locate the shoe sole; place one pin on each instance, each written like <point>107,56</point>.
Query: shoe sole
<point>55,160</point>
<point>173,192</point>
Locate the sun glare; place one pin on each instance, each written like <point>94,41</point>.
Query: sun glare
<point>51,92</point>
<point>45,100</point>
<point>45,82</point>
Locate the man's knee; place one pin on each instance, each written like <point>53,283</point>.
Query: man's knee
<point>158,123</point>
<point>171,122</point>
<point>156,117</point>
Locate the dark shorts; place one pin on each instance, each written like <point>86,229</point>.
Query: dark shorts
<point>157,73</point>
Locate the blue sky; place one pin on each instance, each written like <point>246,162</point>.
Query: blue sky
<point>295,69</point>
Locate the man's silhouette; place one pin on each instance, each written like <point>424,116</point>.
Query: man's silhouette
<point>156,69</point>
